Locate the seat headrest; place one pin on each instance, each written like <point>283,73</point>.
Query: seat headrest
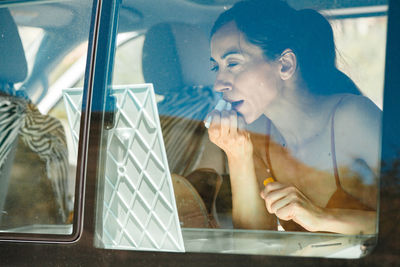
<point>176,55</point>
<point>13,66</point>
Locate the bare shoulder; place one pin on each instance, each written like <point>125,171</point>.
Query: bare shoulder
<point>358,115</point>
<point>358,129</point>
<point>359,108</point>
<point>358,145</point>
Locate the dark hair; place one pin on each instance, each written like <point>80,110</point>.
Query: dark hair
<point>275,26</point>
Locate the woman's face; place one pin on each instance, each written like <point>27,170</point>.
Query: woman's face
<point>244,76</point>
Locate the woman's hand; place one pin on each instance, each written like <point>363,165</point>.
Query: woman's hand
<point>227,131</point>
<point>288,203</point>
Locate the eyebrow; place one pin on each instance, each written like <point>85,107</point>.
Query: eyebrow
<point>228,53</point>
<point>231,52</point>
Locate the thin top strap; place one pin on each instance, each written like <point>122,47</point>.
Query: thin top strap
<point>333,150</point>
<point>271,171</point>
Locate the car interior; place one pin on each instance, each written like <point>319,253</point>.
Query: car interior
<point>28,140</point>
<point>13,69</point>
<point>167,44</point>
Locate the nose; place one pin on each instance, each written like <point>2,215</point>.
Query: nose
<point>222,83</point>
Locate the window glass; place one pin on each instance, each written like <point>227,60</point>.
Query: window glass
<point>31,38</point>
<point>281,166</point>
<point>40,43</point>
<point>370,33</point>
<point>128,59</point>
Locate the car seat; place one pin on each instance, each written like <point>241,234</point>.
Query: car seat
<point>176,61</point>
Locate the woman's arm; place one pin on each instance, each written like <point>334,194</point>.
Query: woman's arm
<point>248,210</point>
<point>357,142</point>
<point>358,147</point>
<point>288,203</point>
<point>351,222</point>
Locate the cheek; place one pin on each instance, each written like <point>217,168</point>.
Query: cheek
<point>257,87</point>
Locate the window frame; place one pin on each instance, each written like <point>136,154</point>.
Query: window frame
<point>83,250</point>
<point>49,238</point>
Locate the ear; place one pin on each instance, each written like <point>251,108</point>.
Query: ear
<point>288,62</point>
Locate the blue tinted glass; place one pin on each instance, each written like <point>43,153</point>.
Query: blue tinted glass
<point>43,52</point>
<point>271,121</point>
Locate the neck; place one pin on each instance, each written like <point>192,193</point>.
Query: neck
<point>299,118</point>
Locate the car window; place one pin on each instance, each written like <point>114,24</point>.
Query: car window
<point>31,38</point>
<point>38,169</point>
<point>339,176</point>
<point>352,33</point>
<point>128,59</point>
<point>128,52</point>
<point>211,136</point>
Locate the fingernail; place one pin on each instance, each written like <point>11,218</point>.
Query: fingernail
<point>207,122</point>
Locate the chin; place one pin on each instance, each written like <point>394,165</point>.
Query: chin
<point>249,119</point>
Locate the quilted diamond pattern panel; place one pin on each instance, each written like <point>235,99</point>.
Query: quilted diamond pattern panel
<point>138,207</point>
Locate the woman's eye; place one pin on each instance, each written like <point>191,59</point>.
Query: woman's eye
<point>214,68</point>
<point>232,64</point>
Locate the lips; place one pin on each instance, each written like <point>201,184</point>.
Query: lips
<point>237,104</point>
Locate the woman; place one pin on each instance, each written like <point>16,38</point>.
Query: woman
<point>322,141</point>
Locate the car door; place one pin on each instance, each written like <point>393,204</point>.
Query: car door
<point>85,243</point>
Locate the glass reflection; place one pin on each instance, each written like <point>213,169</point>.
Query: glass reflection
<point>269,64</point>
<point>296,113</point>
<point>37,171</point>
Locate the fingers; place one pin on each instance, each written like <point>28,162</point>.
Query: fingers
<point>241,124</point>
<point>288,203</point>
<point>275,196</point>
<point>233,119</point>
<point>225,123</point>
<point>288,211</point>
<point>278,206</point>
<point>227,132</point>
<point>281,200</point>
<point>215,118</point>
<point>270,187</point>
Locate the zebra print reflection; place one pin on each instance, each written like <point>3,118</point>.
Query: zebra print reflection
<point>44,135</point>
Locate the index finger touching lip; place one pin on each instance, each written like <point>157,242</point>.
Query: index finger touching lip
<point>215,116</point>
<point>225,123</point>
<point>233,121</point>
<point>241,123</point>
